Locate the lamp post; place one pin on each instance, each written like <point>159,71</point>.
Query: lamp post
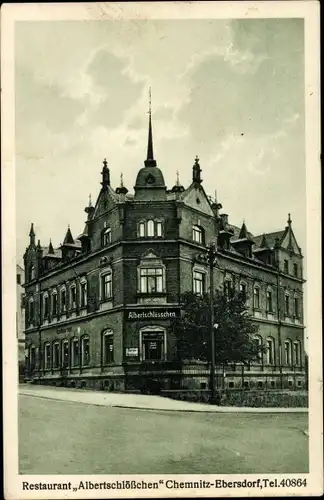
<point>211,258</point>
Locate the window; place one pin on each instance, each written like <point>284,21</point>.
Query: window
<point>270,351</point>
<point>46,306</point>
<point>32,358</point>
<point>75,354</point>
<point>142,229</point>
<point>158,226</point>
<point>153,346</point>
<point>287,304</point>
<point>33,272</point>
<point>63,300</point>
<point>286,266</point>
<point>54,303</point>
<point>56,355</point>
<point>31,312</point>
<point>295,270</point>
<point>199,282</point>
<point>258,341</point>
<point>269,301</point>
<point>108,348</point>
<point>288,352</point>
<point>297,353</point>
<point>47,356</point>
<point>243,290</point>
<point>83,293</point>
<point>228,288</point>
<point>296,307</point>
<point>150,228</point>
<point>106,283</point>
<point>73,297</point>
<point>256,297</point>
<point>65,353</point>
<point>197,234</point>
<point>18,279</point>
<point>151,280</point>
<point>85,351</point>
<point>107,236</point>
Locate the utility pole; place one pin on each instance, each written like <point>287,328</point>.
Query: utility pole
<point>211,258</point>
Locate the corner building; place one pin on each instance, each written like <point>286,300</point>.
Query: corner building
<point>99,308</point>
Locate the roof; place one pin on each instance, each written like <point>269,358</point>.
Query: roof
<point>271,238</point>
<point>57,253</point>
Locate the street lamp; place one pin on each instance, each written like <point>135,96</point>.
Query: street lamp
<point>211,258</point>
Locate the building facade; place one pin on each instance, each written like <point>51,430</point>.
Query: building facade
<point>99,308</point>
<point>20,319</point>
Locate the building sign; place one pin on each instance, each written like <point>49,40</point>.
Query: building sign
<point>151,314</point>
<point>131,351</point>
<point>64,329</point>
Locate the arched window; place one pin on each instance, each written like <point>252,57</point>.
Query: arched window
<point>33,272</point>
<point>297,353</point>
<point>243,289</point>
<point>31,312</point>
<point>296,307</point>
<point>269,301</point>
<point>46,310</point>
<point>288,352</point>
<point>150,228</point>
<point>63,299</point>
<point>256,297</point>
<point>158,227</point>
<point>73,297</point>
<point>56,354</point>
<point>83,292</point>
<point>142,229</point>
<point>258,341</point>
<point>54,302</point>
<point>32,358</point>
<point>107,347</point>
<point>65,353</point>
<point>198,234</point>
<point>85,351</point>
<point>271,353</point>
<point>106,236</point>
<point>75,352</point>
<point>47,356</point>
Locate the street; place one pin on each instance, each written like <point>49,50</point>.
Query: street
<point>64,437</point>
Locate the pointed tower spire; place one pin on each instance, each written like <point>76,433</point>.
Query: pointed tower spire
<point>243,233</point>
<point>150,162</point>
<point>264,243</point>
<point>32,234</point>
<point>68,240</point>
<point>50,248</point>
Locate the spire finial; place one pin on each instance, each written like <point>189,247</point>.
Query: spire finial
<point>150,162</point>
<point>178,181</point>
<point>121,179</point>
<point>196,171</point>
<point>32,234</point>
<point>105,175</point>
<point>90,204</point>
<point>289,220</point>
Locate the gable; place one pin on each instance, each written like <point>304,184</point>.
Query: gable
<point>105,202</point>
<point>287,239</point>
<point>195,197</point>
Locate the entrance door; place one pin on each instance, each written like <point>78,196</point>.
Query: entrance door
<point>153,346</point>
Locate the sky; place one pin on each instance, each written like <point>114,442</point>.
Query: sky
<point>229,91</point>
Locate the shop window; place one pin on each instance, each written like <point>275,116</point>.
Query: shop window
<point>75,354</point>
<point>256,297</point>
<point>83,293</point>
<point>198,234</point>
<point>47,356</point>
<point>269,301</point>
<point>85,351</point>
<point>153,348</point>
<point>151,280</point>
<point>288,352</point>
<point>65,353</point>
<point>270,354</point>
<point>108,347</point>
<point>199,282</point>
<point>56,355</point>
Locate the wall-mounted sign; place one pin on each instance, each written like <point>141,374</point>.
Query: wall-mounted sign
<point>131,351</point>
<point>149,314</point>
<point>64,329</point>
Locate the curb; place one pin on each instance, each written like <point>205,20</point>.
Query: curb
<point>235,409</point>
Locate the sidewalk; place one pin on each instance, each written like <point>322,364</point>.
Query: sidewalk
<point>138,401</point>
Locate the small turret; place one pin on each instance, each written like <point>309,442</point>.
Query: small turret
<point>32,235</point>
<point>121,189</point>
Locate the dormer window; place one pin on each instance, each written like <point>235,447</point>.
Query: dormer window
<point>198,234</point>
<point>295,270</point>
<point>150,229</point>
<point>286,266</point>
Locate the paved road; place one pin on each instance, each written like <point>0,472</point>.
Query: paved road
<point>65,437</point>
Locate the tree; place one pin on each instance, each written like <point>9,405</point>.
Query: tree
<point>234,336</point>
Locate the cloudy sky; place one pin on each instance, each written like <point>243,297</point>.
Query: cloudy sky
<point>231,91</point>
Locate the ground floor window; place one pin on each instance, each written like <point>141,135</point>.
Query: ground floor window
<point>288,352</point>
<point>85,351</point>
<point>107,347</point>
<point>47,357</point>
<point>270,355</point>
<point>297,353</point>
<point>56,355</point>
<point>153,347</point>
<point>32,358</point>
<point>75,352</point>
<point>65,353</point>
